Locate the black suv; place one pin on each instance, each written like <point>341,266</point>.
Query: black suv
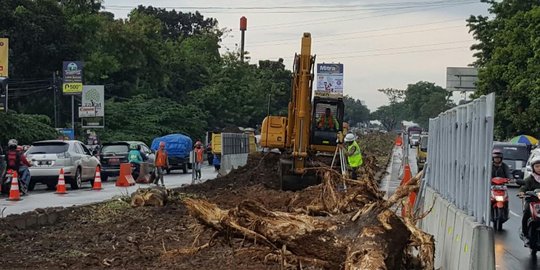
<point>114,153</point>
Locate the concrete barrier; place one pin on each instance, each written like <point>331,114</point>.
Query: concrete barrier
<point>232,161</point>
<point>460,242</point>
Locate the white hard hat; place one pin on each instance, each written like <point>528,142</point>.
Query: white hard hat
<point>349,137</point>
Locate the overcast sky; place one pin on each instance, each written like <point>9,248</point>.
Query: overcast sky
<point>382,43</point>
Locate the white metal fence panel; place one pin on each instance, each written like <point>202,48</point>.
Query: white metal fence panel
<point>459,161</point>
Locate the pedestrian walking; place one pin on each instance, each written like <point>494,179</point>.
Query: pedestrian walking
<point>161,163</point>
<point>199,151</point>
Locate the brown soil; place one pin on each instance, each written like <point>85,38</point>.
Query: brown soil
<point>115,235</point>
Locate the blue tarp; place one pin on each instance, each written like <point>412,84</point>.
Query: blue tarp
<point>176,145</point>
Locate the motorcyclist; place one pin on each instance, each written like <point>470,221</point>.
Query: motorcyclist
<point>499,168</point>
<point>135,157</point>
<point>532,182</point>
<point>16,160</point>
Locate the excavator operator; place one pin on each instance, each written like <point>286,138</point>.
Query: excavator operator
<point>328,121</point>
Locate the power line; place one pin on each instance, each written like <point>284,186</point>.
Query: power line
<point>353,53</point>
<point>354,17</point>
<point>398,53</point>
<point>291,40</point>
<point>308,8</point>
<point>359,37</point>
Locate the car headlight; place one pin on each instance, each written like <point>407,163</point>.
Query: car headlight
<point>500,198</point>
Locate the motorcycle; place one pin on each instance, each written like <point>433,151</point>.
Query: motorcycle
<point>5,186</point>
<point>532,200</point>
<point>499,202</point>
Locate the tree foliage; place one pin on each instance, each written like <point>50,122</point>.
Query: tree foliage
<point>162,69</point>
<point>143,118</point>
<point>418,103</point>
<point>355,112</point>
<point>25,128</point>
<point>508,59</point>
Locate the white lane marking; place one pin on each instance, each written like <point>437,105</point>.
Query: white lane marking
<point>511,212</point>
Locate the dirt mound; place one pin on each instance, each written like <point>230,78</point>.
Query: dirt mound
<point>114,235</point>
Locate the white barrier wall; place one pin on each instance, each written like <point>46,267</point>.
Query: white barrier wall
<point>235,150</point>
<point>457,185</point>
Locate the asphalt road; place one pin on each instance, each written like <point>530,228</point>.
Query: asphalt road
<point>41,198</point>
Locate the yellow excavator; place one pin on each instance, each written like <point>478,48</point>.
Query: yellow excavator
<point>300,136</point>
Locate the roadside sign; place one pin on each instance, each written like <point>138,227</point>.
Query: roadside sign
<point>4,57</point>
<point>93,122</point>
<point>67,133</point>
<point>94,96</point>
<point>73,77</point>
<point>87,112</point>
<point>329,80</point>
<point>461,79</point>
<point>92,111</point>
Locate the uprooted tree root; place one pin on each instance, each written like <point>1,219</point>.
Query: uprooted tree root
<point>327,228</point>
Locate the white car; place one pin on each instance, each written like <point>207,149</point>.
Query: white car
<point>48,157</point>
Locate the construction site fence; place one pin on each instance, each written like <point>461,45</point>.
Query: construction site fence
<point>456,186</point>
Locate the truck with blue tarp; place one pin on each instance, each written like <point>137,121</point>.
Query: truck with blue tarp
<point>178,147</point>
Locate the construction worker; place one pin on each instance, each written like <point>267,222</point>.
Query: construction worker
<point>161,163</point>
<point>354,156</point>
<point>328,121</point>
<point>198,159</point>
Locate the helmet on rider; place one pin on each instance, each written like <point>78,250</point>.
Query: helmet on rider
<point>534,161</point>
<point>133,146</point>
<point>349,138</point>
<point>496,153</point>
<point>12,144</point>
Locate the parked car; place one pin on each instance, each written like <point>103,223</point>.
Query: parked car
<point>515,155</point>
<point>114,153</point>
<point>178,147</point>
<point>527,169</point>
<point>48,157</point>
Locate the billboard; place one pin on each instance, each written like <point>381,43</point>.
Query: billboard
<point>329,80</point>
<point>92,110</point>
<point>73,77</point>
<point>461,79</point>
<point>4,57</point>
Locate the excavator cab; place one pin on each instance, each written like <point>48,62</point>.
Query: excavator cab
<point>327,122</point>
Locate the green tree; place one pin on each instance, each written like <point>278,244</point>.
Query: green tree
<point>25,128</point>
<point>355,112</point>
<point>509,64</point>
<point>390,116</point>
<point>144,118</point>
<point>425,100</point>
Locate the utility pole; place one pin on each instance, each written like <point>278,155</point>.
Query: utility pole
<point>243,28</point>
<point>54,93</point>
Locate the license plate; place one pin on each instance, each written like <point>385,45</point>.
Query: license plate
<point>114,161</point>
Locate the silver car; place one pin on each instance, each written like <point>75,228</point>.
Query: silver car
<point>48,157</point>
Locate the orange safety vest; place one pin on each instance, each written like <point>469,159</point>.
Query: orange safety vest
<point>199,155</point>
<point>161,158</point>
<point>323,120</point>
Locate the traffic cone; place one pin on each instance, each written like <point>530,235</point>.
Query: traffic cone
<point>97,180</point>
<point>61,186</point>
<point>14,194</point>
